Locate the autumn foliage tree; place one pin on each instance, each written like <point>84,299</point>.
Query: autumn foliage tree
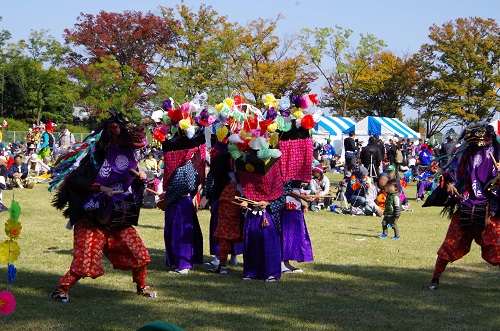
<point>461,69</point>
<point>339,62</point>
<point>384,86</point>
<point>116,58</point>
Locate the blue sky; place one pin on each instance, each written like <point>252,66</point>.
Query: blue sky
<point>402,24</point>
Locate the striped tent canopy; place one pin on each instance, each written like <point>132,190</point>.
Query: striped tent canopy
<point>383,126</point>
<point>333,126</point>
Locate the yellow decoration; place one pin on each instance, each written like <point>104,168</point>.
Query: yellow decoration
<point>270,101</point>
<point>298,113</point>
<point>249,167</point>
<point>9,251</point>
<point>13,229</point>
<point>184,124</point>
<point>221,133</point>
<point>229,102</point>
<point>272,127</point>
<point>273,140</point>
<point>219,107</point>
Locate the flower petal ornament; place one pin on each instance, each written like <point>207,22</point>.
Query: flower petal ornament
<point>7,303</point>
<point>9,251</point>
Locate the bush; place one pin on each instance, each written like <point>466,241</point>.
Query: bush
<point>16,125</point>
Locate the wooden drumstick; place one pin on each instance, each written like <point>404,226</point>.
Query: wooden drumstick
<point>234,202</point>
<point>118,192</point>
<point>493,158</point>
<point>246,200</point>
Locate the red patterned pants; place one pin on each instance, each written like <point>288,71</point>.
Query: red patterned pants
<point>458,242</point>
<point>124,248</point>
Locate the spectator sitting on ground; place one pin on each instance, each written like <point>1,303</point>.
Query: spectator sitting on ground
<point>338,166</point>
<point>18,173</point>
<point>372,195</point>
<point>319,186</point>
<point>356,190</point>
<point>425,157</point>
<point>151,163</point>
<point>38,166</point>
<point>325,163</point>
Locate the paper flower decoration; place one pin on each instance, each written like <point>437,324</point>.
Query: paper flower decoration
<point>11,273</point>
<point>313,98</point>
<point>15,211</point>
<point>272,127</point>
<point>221,132</point>
<point>229,102</point>
<point>298,113</point>
<point>13,229</point>
<point>184,124</point>
<point>219,107</point>
<point>9,251</point>
<point>238,100</point>
<point>160,133</point>
<point>270,101</point>
<point>284,104</point>
<point>168,104</point>
<point>7,303</point>
<point>307,122</point>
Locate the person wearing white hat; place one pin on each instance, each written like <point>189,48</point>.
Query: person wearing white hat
<point>37,165</point>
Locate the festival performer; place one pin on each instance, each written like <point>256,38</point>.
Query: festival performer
<point>472,199</point>
<point>98,182</point>
<point>296,147</point>
<point>227,221</point>
<point>184,170</point>
<point>252,145</point>
<point>228,232</point>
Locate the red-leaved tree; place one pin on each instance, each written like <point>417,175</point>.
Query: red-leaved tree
<point>116,57</point>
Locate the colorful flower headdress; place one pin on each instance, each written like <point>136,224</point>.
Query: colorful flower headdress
<point>185,120</point>
<point>301,112</point>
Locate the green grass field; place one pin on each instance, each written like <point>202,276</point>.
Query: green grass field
<point>357,281</point>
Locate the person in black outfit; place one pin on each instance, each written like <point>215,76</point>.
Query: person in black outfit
<point>371,157</point>
<point>350,149</point>
<point>391,151</point>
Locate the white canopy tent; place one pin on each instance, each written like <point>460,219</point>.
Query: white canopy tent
<point>385,127</point>
<point>330,127</point>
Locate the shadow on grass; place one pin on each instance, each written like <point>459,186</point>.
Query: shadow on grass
<point>324,297</point>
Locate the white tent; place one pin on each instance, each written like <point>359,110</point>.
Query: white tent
<point>385,127</point>
<point>330,127</point>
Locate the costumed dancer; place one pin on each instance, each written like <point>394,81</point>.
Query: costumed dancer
<point>43,145</point>
<point>252,141</point>
<point>184,171</point>
<point>296,146</point>
<point>473,199</point>
<point>98,182</point>
<point>225,233</point>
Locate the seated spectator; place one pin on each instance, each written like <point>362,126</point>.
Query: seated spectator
<point>358,184</point>
<point>18,173</point>
<point>319,186</point>
<point>325,163</point>
<point>38,166</point>
<point>425,157</point>
<point>338,166</point>
<point>373,206</point>
<point>151,163</point>
<point>426,180</point>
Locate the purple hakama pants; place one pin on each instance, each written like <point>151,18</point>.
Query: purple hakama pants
<point>183,238</point>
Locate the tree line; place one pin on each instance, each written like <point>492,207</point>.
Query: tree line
<point>133,60</point>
